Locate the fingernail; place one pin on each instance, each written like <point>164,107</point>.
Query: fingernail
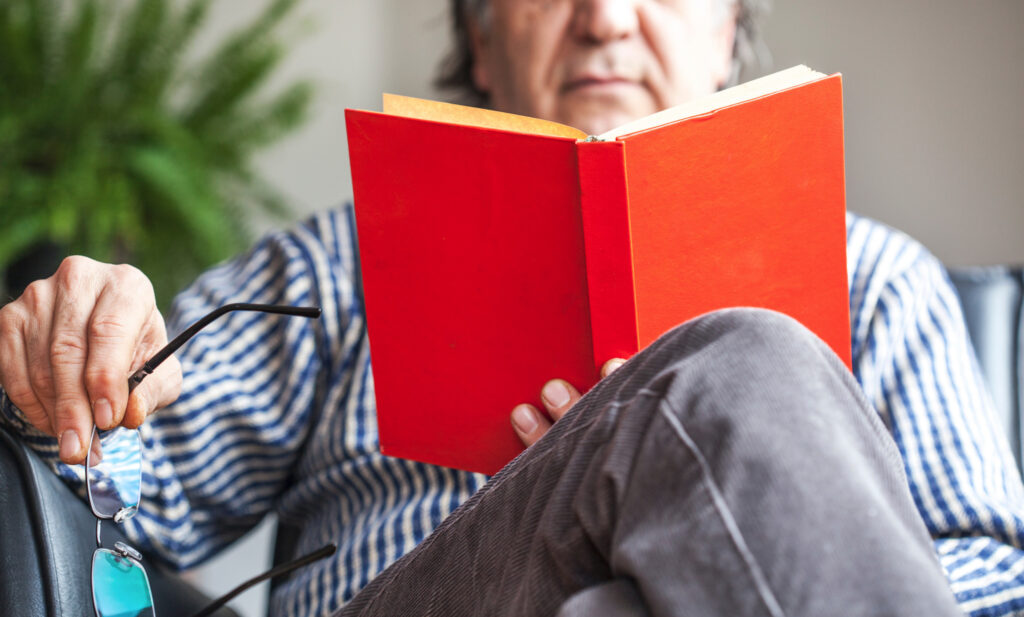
<point>69,444</point>
<point>555,394</point>
<point>103,414</point>
<point>614,364</point>
<point>524,419</point>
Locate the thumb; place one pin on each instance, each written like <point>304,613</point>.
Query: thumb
<point>158,390</point>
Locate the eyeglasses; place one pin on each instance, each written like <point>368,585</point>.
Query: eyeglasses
<point>120,585</point>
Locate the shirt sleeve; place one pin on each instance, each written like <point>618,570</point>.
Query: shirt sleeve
<point>216,460</point>
<point>914,358</point>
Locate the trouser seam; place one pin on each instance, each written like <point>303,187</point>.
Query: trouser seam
<point>724,513</point>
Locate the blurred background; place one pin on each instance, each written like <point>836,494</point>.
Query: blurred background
<point>934,128</point>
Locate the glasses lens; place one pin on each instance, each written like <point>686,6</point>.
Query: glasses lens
<point>114,472</point>
<point>120,587</point>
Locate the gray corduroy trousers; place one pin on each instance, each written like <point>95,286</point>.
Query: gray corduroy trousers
<point>732,468</point>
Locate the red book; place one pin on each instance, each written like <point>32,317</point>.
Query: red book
<point>499,252</point>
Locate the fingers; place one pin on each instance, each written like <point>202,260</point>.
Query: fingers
<point>610,366</point>
<point>68,349</point>
<point>158,390</point>
<point>121,318</point>
<point>68,344</point>
<point>163,386</point>
<point>558,397</point>
<point>14,373</point>
<point>529,424</point>
<point>37,305</point>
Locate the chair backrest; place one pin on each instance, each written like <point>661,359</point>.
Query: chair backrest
<point>993,301</point>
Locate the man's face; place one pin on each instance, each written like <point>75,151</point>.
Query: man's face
<point>596,64</point>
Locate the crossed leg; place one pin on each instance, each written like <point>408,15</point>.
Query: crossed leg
<point>731,468</point>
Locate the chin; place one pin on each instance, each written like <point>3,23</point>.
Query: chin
<point>598,116</point>
<point>597,124</point>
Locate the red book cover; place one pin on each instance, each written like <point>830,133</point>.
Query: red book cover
<point>499,252</point>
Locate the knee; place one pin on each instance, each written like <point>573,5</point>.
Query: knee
<point>759,361</point>
<point>752,363</point>
<point>758,327</point>
<point>747,385</point>
<point>750,332</point>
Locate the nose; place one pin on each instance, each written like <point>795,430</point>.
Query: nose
<point>604,21</point>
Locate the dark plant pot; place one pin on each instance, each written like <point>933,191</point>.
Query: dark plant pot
<point>39,261</point>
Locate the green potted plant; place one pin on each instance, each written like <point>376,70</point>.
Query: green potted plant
<point>113,144</point>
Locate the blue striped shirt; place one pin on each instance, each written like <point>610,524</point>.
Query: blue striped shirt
<point>278,415</point>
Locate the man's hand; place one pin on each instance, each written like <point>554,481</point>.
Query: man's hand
<point>558,397</point>
<point>68,345</point>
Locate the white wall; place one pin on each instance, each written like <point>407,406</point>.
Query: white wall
<point>933,90</point>
<point>934,125</point>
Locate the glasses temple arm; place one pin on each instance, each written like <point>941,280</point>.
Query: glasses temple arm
<point>181,339</point>
<point>284,568</point>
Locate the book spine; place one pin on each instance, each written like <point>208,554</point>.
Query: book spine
<point>606,241</point>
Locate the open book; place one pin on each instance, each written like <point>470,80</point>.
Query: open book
<point>499,252</point>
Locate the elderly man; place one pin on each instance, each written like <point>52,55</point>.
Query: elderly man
<point>733,467</point>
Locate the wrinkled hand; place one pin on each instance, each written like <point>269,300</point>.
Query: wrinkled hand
<point>68,345</point>
<point>558,397</point>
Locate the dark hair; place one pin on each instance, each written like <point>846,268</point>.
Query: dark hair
<point>456,71</point>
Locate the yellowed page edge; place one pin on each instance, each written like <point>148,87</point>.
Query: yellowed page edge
<point>422,109</point>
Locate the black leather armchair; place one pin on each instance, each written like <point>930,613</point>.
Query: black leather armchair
<point>47,535</point>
